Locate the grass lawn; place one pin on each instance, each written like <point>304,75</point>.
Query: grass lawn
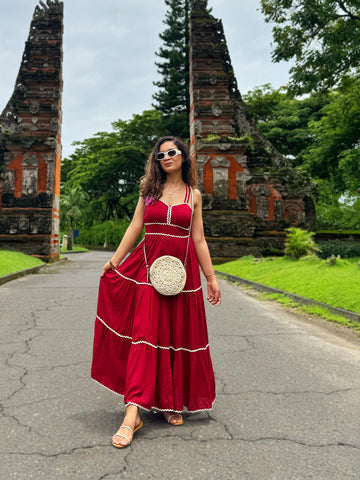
<point>74,249</point>
<point>11,262</point>
<point>337,285</point>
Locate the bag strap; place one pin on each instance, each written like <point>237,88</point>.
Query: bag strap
<point>192,213</point>
<point>188,241</point>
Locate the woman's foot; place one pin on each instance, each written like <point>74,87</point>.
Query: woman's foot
<point>123,437</point>
<point>173,418</point>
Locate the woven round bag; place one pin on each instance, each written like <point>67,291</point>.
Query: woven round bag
<point>168,275</point>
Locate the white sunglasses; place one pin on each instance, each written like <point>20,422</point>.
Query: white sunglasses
<point>170,153</point>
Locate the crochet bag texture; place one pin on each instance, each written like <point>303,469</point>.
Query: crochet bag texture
<point>168,275</point>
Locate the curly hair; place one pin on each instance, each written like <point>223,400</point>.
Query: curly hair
<point>152,183</point>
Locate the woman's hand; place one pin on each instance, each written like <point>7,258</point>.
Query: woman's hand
<point>213,289</point>
<point>106,267</point>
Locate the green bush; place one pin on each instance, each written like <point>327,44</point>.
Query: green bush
<point>299,243</point>
<point>344,248</point>
<point>338,216</point>
<point>110,232</point>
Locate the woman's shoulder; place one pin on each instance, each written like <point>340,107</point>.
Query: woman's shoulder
<point>197,197</point>
<point>197,193</point>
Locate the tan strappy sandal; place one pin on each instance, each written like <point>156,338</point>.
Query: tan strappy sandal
<point>118,445</point>
<point>169,417</point>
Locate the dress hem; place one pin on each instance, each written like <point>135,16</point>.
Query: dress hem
<point>185,409</point>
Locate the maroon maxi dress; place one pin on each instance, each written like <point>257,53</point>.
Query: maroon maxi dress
<point>150,348</point>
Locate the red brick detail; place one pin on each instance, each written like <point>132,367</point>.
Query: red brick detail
<point>233,169</point>
<point>42,175</point>
<point>274,195</point>
<point>16,165</point>
<point>208,177</point>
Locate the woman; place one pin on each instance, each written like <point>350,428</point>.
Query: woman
<point>150,348</point>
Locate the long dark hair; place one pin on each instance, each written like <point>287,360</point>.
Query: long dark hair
<point>152,183</point>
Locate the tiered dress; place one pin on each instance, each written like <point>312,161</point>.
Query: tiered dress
<point>150,348</point>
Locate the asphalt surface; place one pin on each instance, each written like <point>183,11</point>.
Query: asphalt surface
<point>287,406</point>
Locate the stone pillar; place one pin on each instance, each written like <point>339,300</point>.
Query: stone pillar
<point>30,142</point>
<point>250,191</point>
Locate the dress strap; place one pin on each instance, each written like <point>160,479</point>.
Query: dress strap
<point>187,194</point>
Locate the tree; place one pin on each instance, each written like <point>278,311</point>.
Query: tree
<point>108,165</point>
<point>284,120</point>
<point>321,36</point>
<point>172,98</point>
<point>73,205</point>
<point>335,151</point>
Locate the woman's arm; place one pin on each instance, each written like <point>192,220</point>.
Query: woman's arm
<point>130,237</point>
<point>202,251</point>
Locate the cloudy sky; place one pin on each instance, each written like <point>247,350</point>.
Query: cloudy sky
<point>109,55</point>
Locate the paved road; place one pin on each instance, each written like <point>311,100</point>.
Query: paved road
<point>287,403</point>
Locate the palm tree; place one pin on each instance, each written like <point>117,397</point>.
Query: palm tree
<point>72,209</point>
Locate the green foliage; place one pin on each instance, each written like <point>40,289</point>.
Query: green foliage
<point>109,233</point>
<point>299,243</point>
<point>335,152</point>
<point>321,37</point>
<point>108,165</point>
<point>339,216</point>
<point>343,248</point>
<point>320,135</point>
<point>284,120</point>
<point>73,203</point>
<point>227,139</point>
<point>172,97</point>
<point>173,87</point>
<point>142,130</point>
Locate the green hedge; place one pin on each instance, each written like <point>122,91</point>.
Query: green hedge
<point>346,249</point>
<point>110,231</point>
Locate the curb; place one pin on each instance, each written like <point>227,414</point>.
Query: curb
<point>355,317</point>
<point>28,271</point>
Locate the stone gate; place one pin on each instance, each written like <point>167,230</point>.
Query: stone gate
<point>30,142</point>
<point>251,193</point>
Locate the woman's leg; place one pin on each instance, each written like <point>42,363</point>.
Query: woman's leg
<point>132,420</point>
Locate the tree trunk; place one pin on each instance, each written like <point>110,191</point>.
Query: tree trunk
<point>70,239</point>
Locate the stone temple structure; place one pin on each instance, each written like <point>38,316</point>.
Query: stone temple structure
<point>251,193</point>
<point>30,142</point>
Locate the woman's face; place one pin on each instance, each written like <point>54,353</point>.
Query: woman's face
<point>170,164</point>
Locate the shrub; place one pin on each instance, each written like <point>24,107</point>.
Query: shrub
<point>110,231</point>
<point>299,243</point>
<point>344,248</point>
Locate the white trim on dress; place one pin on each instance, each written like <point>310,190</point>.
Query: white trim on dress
<point>151,344</point>
<point>153,408</point>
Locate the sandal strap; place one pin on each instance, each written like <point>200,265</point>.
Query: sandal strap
<point>123,436</point>
<point>125,426</point>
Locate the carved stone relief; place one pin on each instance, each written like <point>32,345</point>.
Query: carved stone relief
<point>216,109</point>
<point>213,79</point>
<point>279,210</point>
<point>221,182</point>
<point>29,181</point>
<point>262,208</point>
<point>34,107</point>
<point>200,163</point>
<point>30,159</point>
<point>220,161</point>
